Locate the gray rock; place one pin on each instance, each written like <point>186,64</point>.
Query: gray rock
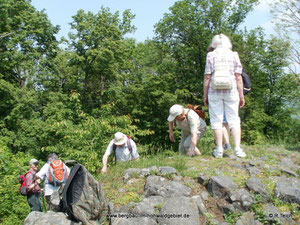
<point>164,170</point>
<point>138,213</point>
<point>132,181</point>
<point>254,184</point>
<point>256,162</point>
<point>204,195</point>
<point>202,179</point>
<point>239,166</point>
<point>153,201</point>
<point>288,189</point>
<point>287,162</point>
<point>132,219</point>
<point>135,172</point>
<point>160,186</point>
<point>218,172</point>
<point>129,173</point>
<point>273,214</point>
<point>220,186</point>
<point>50,217</point>
<point>253,171</point>
<point>214,221</point>
<point>123,190</point>
<point>241,198</point>
<point>289,172</point>
<point>55,202</point>
<point>181,210</point>
<point>264,158</point>
<point>177,178</point>
<point>201,207</point>
<point>225,207</point>
<point>247,219</point>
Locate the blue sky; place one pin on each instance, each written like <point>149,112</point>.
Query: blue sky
<point>148,13</point>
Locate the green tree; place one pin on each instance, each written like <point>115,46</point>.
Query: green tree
<point>286,15</point>
<point>98,45</point>
<point>187,31</point>
<point>26,36</point>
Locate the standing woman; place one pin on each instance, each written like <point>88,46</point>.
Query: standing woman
<point>225,99</point>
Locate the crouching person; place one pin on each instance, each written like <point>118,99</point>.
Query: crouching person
<point>123,148</point>
<point>192,129</point>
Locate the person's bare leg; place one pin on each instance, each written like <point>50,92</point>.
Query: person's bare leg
<point>218,137</point>
<point>197,151</point>
<point>218,152</point>
<point>236,136</point>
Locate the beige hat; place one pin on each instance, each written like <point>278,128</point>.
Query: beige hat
<point>33,161</point>
<point>120,138</point>
<point>175,110</point>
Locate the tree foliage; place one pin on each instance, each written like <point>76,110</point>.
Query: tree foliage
<point>286,15</point>
<point>72,99</point>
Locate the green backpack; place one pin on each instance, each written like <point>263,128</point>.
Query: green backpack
<point>83,197</point>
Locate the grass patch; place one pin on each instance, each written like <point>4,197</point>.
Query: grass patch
<point>232,217</point>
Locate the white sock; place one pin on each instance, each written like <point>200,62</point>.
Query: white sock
<point>220,149</point>
<point>237,149</point>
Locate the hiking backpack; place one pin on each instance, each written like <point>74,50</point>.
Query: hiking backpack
<point>221,78</point>
<point>83,198</point>
<point>129,147</point>
<point>58,174</point>
<point>198,110</point>
<point>22,181</point>
<point>246,82</point>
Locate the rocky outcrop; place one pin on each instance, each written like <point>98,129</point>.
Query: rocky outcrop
<point>288,189</point>
<point>220,186</point>
<point>173,199</point>
<point>160,186</point>
<point>254,184</point>
<point>50,217</point>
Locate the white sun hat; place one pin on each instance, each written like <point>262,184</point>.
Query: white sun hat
<point>175,110</point>
<point>120,138</point>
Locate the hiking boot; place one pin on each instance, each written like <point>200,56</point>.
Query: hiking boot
<point>240,153</point>
<point>226,147</point>
<point>218,153</point>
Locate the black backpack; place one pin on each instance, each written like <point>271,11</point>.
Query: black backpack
<point>246,82</point>
<point>83,198</point>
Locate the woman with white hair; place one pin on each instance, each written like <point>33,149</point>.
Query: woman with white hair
<point>223,91</point>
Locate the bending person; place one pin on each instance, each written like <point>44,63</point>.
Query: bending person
<point>192,129</point>
<point>123,148</point>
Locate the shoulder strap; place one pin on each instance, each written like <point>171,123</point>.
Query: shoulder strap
<point>129,143</point>
<point>129,147</point>
<point>114,152</point>
<point>187,116</point>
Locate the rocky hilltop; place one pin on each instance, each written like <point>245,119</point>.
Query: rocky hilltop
<point>259,189</point>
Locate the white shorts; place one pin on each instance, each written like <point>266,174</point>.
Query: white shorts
<point>220,104</point>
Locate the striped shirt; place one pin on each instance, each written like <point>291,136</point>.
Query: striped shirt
<point>235,66</point>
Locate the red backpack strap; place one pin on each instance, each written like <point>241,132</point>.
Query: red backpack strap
<point>129,143</point>
<point>49,171</point>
